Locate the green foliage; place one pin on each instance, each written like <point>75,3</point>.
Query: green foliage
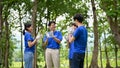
<point>51,10</point>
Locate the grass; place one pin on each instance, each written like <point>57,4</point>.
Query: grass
<point>65,64</point>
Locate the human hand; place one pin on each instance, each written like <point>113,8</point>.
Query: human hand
<point>70,30</point>
<point>52,34</point>
<point>49,34</point>
<point>38,37</point>
<point>66,37</point>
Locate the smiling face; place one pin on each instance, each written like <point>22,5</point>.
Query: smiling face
<point>74,26</point>
<point>30,29</point>
<point>52,27</point>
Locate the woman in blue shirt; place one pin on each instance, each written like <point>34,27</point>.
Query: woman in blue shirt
<point>71,45</point>
<point>29,42</point>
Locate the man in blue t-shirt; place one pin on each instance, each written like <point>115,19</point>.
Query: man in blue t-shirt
<point>80,42</point>
<point>52,41</point>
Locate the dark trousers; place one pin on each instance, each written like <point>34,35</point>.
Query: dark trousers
<point>70,63</point>
<point>78,60</point>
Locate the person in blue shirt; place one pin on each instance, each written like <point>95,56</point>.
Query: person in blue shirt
<point>52,41</point>
<point>71,45</point>
<point>29,42</point>
<point>80,42</point>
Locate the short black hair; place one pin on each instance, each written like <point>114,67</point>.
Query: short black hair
<point>51,23</point>
<point>78,17</point>
<point>73,24</point>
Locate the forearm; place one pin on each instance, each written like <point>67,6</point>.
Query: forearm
<point>30,44</point>
<point>68,44</point>
<point>71,39</point>
<point>57,40</point>
<point>45,43</point>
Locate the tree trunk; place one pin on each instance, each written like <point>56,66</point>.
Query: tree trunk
<point>48,20</point>
<point>116,51</point>
<point>101,56</point>
<point>106,53</point>
<point>1,18</point>
<point>107,59</point>
<point>7,43</point>
<point>21,38</point>
<point>87,57</point>
<point>94,62</point>
<point>115,29</point>
<point>87,26</point>
<point>112,20</point>
<point>34,29</point>
<point>0,32</point>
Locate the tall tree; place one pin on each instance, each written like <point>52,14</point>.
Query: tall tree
<point>20,18</point>
<point>34,29</point>
<point>116,54</point>
<point>7,40</point>
<point>94,62</point>
<point>101,55</point>
<point>1,6</point>
<point>106,53</point>
<point>111,8</point>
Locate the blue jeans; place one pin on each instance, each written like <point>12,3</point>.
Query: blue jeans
<point>28,59</point>
<point>78,60</point>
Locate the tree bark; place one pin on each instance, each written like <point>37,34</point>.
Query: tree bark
<point>1,6</point>
<point>34,29</point>
<point>7,43</point>
<point>106,53</point>
<point>0,31</point>
<point>107,59</point>
<point>116,51</point>
<point>87,57</point>
<point>112,20</point>
<point>94,62</point>
<point>21,38</point>
<point>114,28</point>
<point>101,56</point>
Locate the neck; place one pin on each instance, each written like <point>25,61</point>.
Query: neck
<point>52,30</point>
<point>28,31</point>
<point>80,24</point>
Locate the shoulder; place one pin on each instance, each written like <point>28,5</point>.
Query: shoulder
<point>27,33</point>
<point>57,31</point>
<point>82,28</point>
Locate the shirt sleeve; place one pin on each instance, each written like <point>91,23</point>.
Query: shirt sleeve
<point>76,33</point>
<point>44,38</point>
<point>28,37</point>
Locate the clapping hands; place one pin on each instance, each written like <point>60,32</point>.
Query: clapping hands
<point>50,34</point>
<point>67,37</point>
<point>70,30</point>
<point>38,37</point>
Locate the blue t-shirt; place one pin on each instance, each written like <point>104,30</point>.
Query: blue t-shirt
<point>51,42</point>
<point>71,50</point>
<point>80,41</point>
<point>28,37</point>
